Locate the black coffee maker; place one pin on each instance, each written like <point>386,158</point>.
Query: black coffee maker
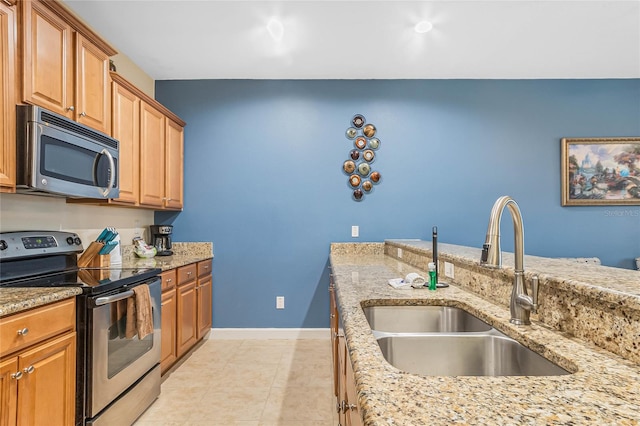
<point>161,239</point>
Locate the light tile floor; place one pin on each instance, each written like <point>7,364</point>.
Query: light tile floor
<point>250,383</point>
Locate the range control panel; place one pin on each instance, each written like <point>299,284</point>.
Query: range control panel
<point>14,245</point>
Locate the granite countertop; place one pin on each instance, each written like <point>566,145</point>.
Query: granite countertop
<point>13,299</point>
<point>163,262</point>
<point>183,254</point>
<point>603,388</point>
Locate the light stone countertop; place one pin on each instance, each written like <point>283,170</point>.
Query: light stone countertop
<point>604,388</point>
<point>14,299</point>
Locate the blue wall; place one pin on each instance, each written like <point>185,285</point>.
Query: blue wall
<point>263,177</point>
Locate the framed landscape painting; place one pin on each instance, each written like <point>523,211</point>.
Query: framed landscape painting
<point>600,171</point>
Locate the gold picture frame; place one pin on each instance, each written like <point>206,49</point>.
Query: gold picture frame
<point>600,171</point>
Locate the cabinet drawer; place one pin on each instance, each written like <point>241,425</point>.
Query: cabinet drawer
<point>186,273</point>
<point>204,267</point>
<point>168,279</point>
<point>27,328</point>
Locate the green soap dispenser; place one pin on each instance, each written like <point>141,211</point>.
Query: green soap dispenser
<point>433,279</point>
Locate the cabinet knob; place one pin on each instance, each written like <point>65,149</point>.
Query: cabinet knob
<point>346,406</point>
<point>30,369</point>
<point>189,273</point>
<point>71,108</point>
<point>23,332</point>
<point>169,280</point>
<point>17,375</point>
<point>83,114</point>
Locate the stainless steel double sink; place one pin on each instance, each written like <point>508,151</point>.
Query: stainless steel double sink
<point>449,341</point>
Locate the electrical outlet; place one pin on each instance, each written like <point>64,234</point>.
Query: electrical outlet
<point>279,302</point>
<point>448,270</point>
<point>399,253</point>
<point>355,231</point>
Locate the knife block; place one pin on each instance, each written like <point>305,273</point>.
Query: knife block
<point>100,261</point>
<point>89,254</point>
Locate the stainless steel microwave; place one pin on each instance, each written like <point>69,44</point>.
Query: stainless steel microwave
<point>58,156</point>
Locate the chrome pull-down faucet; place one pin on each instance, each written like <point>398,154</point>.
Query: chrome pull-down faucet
<point>521,303</point>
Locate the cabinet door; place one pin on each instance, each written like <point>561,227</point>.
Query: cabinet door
<point>92,93</point>
<point>342,372</point>
<point>174,165</point>
<point>46,391</point>
<point>47,53</point>
<point>205,296</point>
<point>152,164</point>
<point>8,391</point>
<point>168,344</point>
<point>7,98</point>
<point>333,321</point>
<point>353,414</point>
<point>187,317</point>
<point>126,129</point>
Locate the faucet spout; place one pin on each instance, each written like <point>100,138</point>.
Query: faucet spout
<point>521,303</point>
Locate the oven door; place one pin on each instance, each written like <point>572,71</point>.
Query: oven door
<point>114,361</point>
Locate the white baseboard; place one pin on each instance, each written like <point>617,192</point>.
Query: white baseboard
<point>269,333</point>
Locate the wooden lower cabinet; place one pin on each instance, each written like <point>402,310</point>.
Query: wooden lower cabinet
<point>186,309</point>
<point>38,378</point>
<point>205,297</point>
<point>344,381</point>
<point>8,391</point>
<point>44,394</point>
<point>168,353</point>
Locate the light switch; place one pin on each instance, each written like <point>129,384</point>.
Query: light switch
<point>355,231</point>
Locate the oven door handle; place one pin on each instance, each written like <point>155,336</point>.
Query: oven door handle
<point>110,299</point>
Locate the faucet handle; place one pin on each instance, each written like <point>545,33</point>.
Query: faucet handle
<point>535,283</point>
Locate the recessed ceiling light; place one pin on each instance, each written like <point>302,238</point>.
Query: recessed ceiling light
<point>423,27</point>
<point>276,29</point>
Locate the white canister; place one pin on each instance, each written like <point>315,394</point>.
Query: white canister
<point>116,253</point>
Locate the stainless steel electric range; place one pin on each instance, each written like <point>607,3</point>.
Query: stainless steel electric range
<point>118,377</point>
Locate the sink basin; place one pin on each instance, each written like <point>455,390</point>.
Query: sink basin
<point>478,354</point>
<point>422,319</point>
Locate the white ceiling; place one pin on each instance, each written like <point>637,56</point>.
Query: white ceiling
<point>327,39</point>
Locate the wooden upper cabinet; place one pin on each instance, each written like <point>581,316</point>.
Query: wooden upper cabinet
<point>174,160</point>
<point>92,85</point>
<point>7,98</point>
<point>152,156</point>
<point>126,129</point>
<point>65,65</point>
<point>47,58</point>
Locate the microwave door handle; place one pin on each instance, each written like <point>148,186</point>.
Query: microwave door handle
<point>110,299</point>
<point>112,179</point>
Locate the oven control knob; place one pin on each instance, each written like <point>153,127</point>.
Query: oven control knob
<point>77,241</point>
<point>70,240</point>
<point>3,245</point>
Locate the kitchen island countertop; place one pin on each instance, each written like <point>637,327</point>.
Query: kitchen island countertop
<point>603,388</point>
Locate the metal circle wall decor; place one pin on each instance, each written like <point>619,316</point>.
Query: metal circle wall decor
<point>361,179</point>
